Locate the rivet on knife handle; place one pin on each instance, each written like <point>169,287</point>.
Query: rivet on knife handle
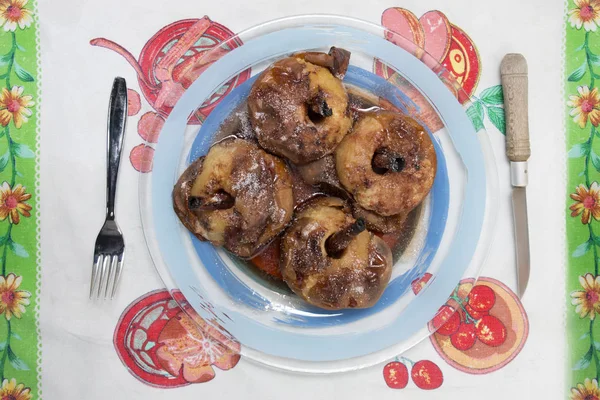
<point>514,84</point>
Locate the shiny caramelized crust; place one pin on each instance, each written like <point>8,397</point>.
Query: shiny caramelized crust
<point>299,110</point>
<point>354,279</point>
<point>387,192</point>
<point>258,186</point>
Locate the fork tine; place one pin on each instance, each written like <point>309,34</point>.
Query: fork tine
<point>97,262</point>
<point>110,274</point>
<point>101,281</point>
<point>117,275</point>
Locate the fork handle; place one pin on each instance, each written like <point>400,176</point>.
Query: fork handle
<point>117,116</point>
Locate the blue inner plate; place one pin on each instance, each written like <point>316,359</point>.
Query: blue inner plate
<point>304,314</point>
<point>170,244</point>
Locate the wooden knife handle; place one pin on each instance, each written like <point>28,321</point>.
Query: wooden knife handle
<point>514,84</point>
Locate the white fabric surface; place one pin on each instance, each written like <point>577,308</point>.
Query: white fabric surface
<point>79,361</point>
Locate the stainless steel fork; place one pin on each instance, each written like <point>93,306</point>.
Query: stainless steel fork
<point>110,246</point>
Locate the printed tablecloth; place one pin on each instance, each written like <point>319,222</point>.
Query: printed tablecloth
<point>52,170</point>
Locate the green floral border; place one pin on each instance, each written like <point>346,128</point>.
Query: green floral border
<point>19,202</point>
<point>582,74</point>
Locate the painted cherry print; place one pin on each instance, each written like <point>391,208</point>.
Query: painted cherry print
<point>395,375</point>
<point>420,283</point>
<point>476,315</point>
<point>427,375</point>
<point>482,298</point>
<point>464,338</point>
<point>446,321</point>
<point>491,331</point>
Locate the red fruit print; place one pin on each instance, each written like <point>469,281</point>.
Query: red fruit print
<point>438,34</point>
<point>136,336</point>
<point>395,375</point>
<point>476,315</point>
<point>141,158</point>
<point>164,347</point>
<point>482,298</point>
<point>419,283</point>
<point>446,321</point>
<point>426,375</point>
<point>134,103</point>
<point>174,57</point>
<point>462,60</point>
<point>187,350</point>
<point>491,331</point>
<point>406,24</point>
<point>465,337</point>
<point>510,333</point>
<point>149,126</point>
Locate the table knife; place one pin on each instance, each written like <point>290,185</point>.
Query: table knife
<point>514,85</point>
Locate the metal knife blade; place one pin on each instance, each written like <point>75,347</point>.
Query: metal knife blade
<point>519,200</point>
<point>515,89</point>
